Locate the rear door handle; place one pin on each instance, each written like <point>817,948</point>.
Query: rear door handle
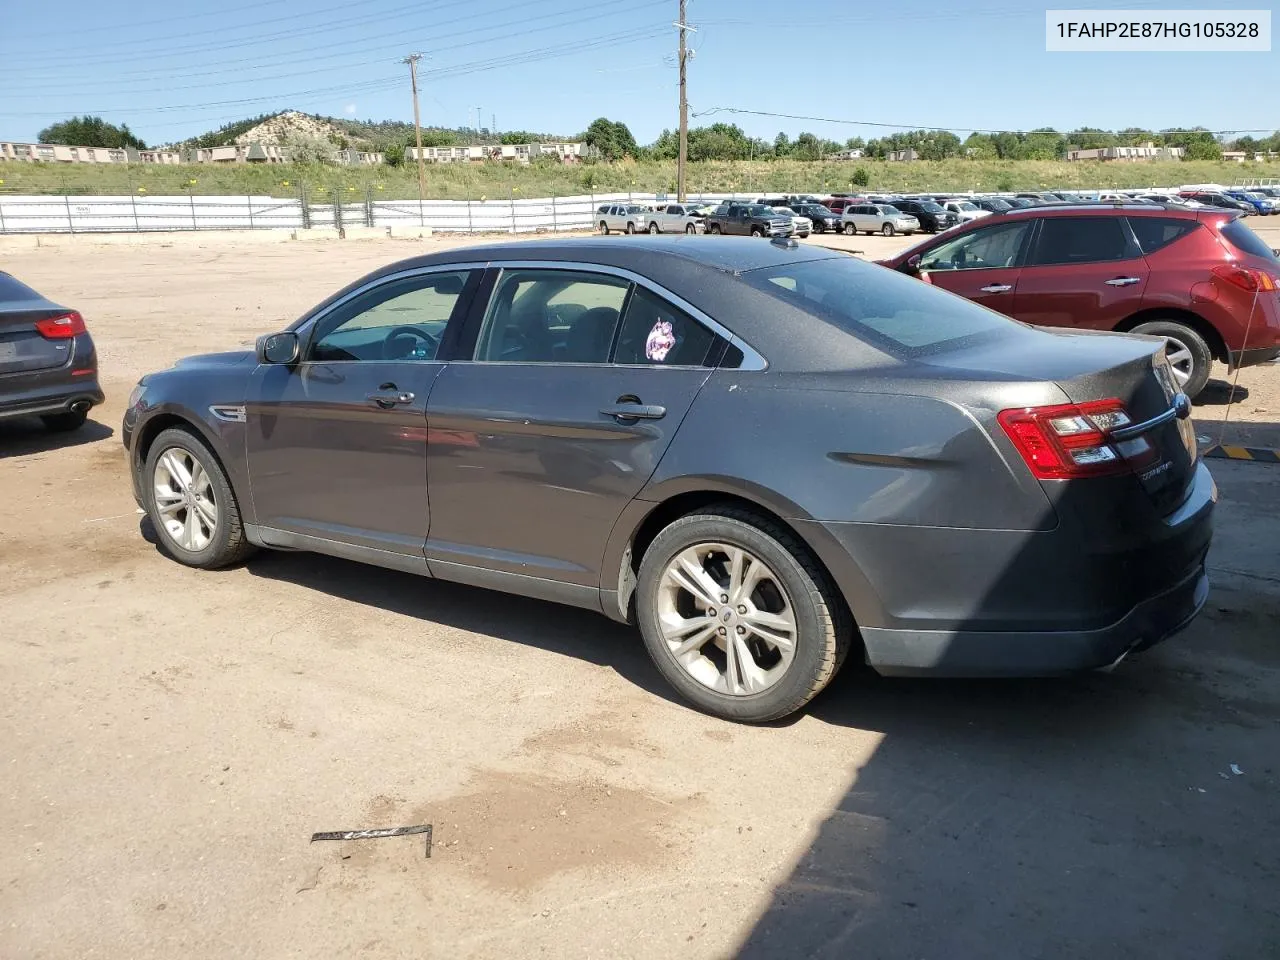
<point>624,412</point>
<point>997,288</point>
<point>390,398</point>
<point>1123,281</point>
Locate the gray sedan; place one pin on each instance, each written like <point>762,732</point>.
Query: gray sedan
<point>771,457</point>
<point>877,218</point>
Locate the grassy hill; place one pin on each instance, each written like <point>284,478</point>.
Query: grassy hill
<point>493,180</point>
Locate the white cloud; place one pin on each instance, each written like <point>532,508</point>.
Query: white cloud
<point>349,109</point>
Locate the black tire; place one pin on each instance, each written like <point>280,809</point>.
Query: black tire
<point>887,230</point>
<point>228,544</point>
<point>604,228</point>
<point>757,232</point>
<point>653,228</point>
<point>690,228</point>
<point>1184,336</point>
<point>824,629</point>
<point>714,228</point>
<point>850,230</point>
<point>64,422</point>
<point>631,228</point>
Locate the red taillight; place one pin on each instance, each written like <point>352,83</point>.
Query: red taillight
<point>1245,278</point>
<point>61,328</point>
<point>1070,440</point>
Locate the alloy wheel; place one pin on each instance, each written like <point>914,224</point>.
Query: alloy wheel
<point>1181,359</point>
<point>726,618</point>
<point>185,501</point>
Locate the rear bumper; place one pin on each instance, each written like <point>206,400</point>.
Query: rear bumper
<point>1248,358</point>
<point>1108,578</point>
<point>1039,654</point>
<point>51,398</point>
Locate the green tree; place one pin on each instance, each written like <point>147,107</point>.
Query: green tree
<point>1198,143</point>
<point>855,143</point>
<point>394,154</point>
<point>306,148</point>
<point>1137,137</point>
<point>860,176</point>
<point>1091,138</point>
<point>89,131</point>
<point>807,147</point>
<point>434,138</point>
<point>612,140</point>
<point>781,145</point>
<point>980,146</point>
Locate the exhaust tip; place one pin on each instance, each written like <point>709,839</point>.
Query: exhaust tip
<point>81,406</point>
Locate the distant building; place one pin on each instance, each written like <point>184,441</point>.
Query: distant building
<point>513,152</point>
<point>846,155</point>
<point>1148,151</point>
<point>237,153</point>
<point>1237,155</point>
<point>902,156</point>
<point>59,153</point>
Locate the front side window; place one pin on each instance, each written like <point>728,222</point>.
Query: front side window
<point>654,332</point>
<point>401,320</point>
<point>552,316</point>
<point>1065,240</point>
<point>985,249</point>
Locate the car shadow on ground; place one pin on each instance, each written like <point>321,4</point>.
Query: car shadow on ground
<point>568,631</point>
<point>27,435</point>
<point>1221,393</point>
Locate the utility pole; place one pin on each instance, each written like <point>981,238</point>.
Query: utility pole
<point>412,60</point>
<point>684,108</point>
<point>477,123</point>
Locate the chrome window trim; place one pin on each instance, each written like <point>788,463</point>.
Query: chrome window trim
<point>751,358</point>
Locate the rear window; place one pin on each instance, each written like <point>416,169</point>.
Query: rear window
<point>1245,240</point>
<point>1156,232</point>
<point>898,314</point>
<point>13,290</point>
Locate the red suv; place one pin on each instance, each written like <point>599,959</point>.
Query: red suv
<point>1200,278</point>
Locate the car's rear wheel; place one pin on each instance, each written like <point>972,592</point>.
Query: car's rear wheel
<point>690,228</point>
<point>850,230</point>
<point>65,422</point>
<point>604,228</point>
<point>887,230</point>
<point>1187,351</point>
<point>653,228</point>
<point>738,616</point>
<point>715,228</point>
<point>191,504</point>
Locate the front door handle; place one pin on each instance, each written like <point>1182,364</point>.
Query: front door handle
<point>1123,281</point>
<point>997,288</point>
<point>628,412</point>
<point>390,398</point>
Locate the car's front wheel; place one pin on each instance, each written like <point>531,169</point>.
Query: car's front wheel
<point>1187,351</point>
<point>690,228</point>
<point>887,230</point>
<point>757,232</point>
<point>631,228</point>
<point>738,616</point>
<point>191,504</point>
<point>604,228</point>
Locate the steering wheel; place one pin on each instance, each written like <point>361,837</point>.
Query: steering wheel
<point>407,329</point>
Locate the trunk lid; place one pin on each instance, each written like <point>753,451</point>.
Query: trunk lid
<point>22,347</point>
<point>1158,442</point>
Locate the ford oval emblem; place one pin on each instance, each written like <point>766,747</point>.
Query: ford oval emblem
<point>1182,406</point>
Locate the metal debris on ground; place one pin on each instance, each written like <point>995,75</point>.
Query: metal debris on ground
<point>1235,768</point>
<point>376,834</point>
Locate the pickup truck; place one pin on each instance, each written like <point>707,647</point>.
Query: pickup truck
<point>749,219</point>
<point>676,218</point>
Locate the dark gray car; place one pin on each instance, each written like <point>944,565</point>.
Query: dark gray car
<point>48,365</point>
<point>766,455</point>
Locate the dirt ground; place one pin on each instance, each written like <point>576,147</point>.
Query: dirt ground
<point>171,739</point>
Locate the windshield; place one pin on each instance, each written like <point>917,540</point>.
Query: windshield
<point>930,207</point>
<point>893,312</point>
<point>890,211</point>
<point>966,205</point>
<point>997,204</point>
<point>760,210</point>
<point>635,208</point>
<point>1246,241</point>
<point>1255,196</point>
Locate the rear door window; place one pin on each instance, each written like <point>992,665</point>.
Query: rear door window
<point>1245,240</point>
<point>1156,232</point>
<point>1066,240</point>
<point>656,333</point>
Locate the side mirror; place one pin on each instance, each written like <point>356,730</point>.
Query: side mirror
<point>912,266</point>
<point>277,348</point>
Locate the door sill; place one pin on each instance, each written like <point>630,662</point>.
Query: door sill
<point>275,539</point>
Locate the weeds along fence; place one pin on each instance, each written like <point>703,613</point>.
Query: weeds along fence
<point>327,209</point>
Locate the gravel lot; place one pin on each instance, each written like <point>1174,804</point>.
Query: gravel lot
<point>172,738</point>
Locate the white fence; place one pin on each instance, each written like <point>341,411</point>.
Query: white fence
<point>50,214</point>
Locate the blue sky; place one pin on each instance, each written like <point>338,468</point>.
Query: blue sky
<point>171,71</point>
